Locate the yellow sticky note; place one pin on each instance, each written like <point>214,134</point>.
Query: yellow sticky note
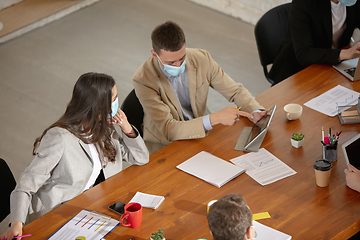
<point>259,216</point>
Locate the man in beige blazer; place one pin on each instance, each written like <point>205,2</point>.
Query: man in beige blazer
<point>173,84</point>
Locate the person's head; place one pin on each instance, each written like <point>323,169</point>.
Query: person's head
<point>88,112</point>
<point>168,42</point>
<point>90,105</point>
<point>230,218</point>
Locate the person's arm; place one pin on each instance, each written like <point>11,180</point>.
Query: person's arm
<point>35,175</point>
<point>304,30</point>
<point>226,86</point>
<point>350,53</point>
<point>352,178</point>
<point>132,146</point>
<point>14,230</point>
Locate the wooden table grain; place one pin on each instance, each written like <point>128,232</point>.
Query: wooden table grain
<point>296,205</point>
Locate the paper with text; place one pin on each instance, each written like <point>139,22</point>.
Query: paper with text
<point>263,167</point>
<point>148,200</point>
<point>329,102</point>
<point>86,225</point>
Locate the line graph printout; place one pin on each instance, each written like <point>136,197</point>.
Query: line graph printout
<point>329,102</point>
<point>263,167</point>
<point>86,225</point>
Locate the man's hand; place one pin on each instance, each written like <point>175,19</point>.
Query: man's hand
<point>350,53</point>
<point>353,178</point>
<point>228,116</point>
<point>257,115</point>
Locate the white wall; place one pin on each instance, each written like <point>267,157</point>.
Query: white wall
<point>8,3</point>
<point>247,10</point>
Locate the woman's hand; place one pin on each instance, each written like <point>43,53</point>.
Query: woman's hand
<point>120,119</point>
<point>14,230</point>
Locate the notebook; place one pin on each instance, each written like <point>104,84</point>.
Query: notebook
<point>349,69</point>
<point>211,169</point>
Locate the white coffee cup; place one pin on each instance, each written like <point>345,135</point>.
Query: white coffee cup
<point>293,111</point>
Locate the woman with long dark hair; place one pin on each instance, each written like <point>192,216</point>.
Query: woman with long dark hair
<point>76,151</point>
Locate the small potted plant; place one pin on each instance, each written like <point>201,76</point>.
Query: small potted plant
<point>158,235</point>
<point>297,140</point>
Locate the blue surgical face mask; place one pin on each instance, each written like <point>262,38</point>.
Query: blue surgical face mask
<point>114,108</point>
<point>348,3</point>
<point>172,70</point>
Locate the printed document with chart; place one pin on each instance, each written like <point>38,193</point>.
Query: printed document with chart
<point>329,102</point>
<point>263,167</point>
<point>86,225</point>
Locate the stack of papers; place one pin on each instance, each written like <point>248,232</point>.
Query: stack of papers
<point>148,200</point>
<point>263,166</point>
<point>210,168</point>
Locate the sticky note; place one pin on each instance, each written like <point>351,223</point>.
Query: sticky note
<point>259,216</point>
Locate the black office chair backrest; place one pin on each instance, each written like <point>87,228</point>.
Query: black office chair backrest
<point>7,185</point>
<point>270,32</point>
<point>132,107</point>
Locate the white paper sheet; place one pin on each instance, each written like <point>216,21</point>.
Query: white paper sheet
<point>86,225</point>
<point>263,167</point>
<point>148,200</point>
<point>329,102</point>
<point>264,233</point>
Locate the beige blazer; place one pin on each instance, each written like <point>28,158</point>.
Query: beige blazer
<point>163,119</point>
<point>61,169</point>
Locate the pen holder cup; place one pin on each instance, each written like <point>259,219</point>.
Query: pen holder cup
<point>329,152</point>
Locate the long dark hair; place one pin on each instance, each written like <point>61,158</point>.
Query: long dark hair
<point>86,115</point>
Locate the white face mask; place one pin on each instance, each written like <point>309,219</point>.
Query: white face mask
<point>114,107</point>
<point>172,70</point>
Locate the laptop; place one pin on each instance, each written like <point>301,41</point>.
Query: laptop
<point>349,69</point>
<point>252,137</point>
<point>351,150</point>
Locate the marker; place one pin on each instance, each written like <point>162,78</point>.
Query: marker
<point>239,108</point>
<point>322,134</point>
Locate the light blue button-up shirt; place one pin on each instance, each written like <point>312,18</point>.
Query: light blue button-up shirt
<point>181,89</point>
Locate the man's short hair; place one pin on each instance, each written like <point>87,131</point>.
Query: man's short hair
<point>167,36</point>
<point>236,198</point>
<point>229,220</point>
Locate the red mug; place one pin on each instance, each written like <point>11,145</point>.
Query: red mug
<point>132,214</point>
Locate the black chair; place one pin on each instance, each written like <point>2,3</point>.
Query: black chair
<point>132,107</point>
<point>7,185</point>
<point>270,32</point>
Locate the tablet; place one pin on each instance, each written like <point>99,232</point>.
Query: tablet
<point>351,150</point>
<point>252,137</point>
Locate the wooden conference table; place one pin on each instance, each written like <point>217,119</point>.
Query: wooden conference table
<point>296,205</point>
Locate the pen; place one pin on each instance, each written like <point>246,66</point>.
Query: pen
<point>239,108</point>
<point>18,237</point>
